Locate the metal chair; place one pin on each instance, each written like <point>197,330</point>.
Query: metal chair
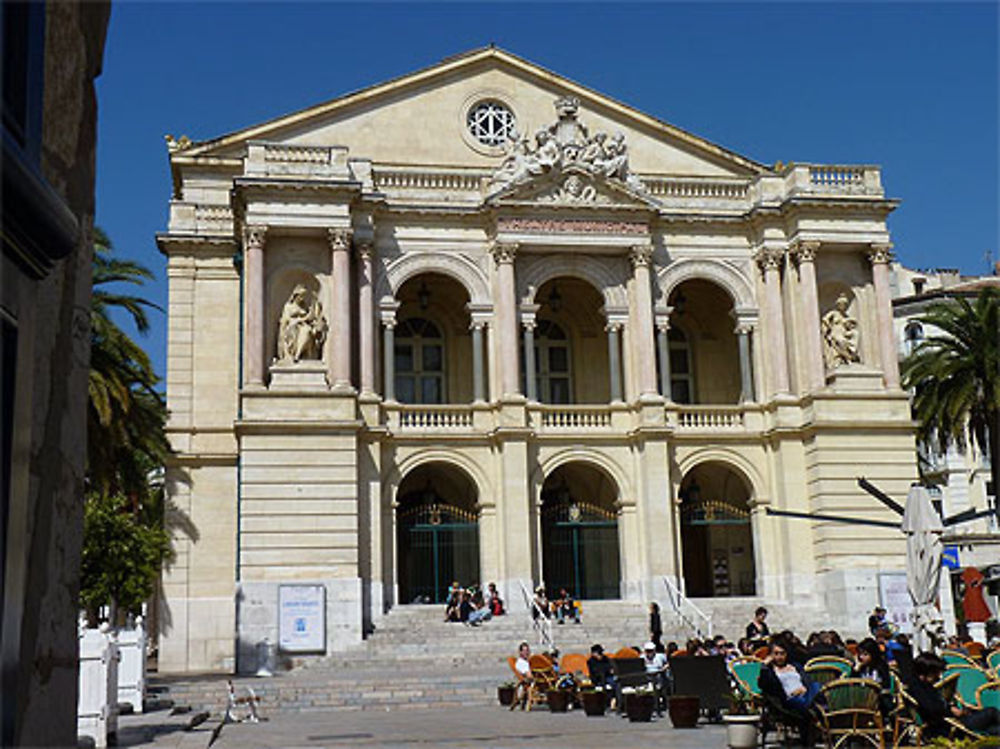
<point>969,679</point>
<point>850,710</point>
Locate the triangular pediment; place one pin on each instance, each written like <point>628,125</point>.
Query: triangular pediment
<point>418,119</point>
<point>573,186</point>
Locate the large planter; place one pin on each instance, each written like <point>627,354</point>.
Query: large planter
<point>639,706</point>
<point>558,700</point>
<point>506,695</point>
<point>684,709</point>
<point>741,731</point>
<point>594,702</point>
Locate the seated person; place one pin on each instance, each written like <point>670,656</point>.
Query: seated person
<point>540,604</point>
<point>824,643</point>
<point>787,683</point>
<point>451,606</point>
<point>480,612</point>
<point>494,601</point>
<point>464,607</point>
<point>523,669</point>
<point>870,664</point>
<point>927,670</point>
<point>566,606</point>
<point>877,620</point>
<point>657,671</point>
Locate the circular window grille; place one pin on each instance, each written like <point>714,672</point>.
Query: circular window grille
<point>491,123</point>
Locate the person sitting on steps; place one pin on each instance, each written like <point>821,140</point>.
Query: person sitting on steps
<point>566,606</point>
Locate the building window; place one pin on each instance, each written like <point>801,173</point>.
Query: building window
<point>681,373</point>
<point>490,122</point>
<point>419,357</point>
<point>553,377</point>
<point>913,334</point>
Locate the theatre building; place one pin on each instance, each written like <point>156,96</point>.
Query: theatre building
<point>482,323</point>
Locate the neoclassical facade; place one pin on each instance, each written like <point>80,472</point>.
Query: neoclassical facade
<point>483,323</point>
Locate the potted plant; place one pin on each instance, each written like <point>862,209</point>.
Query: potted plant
<point>684,710</point>
<point>594,700</point>
<point>639,703</point>
<point>559,700</point>
<point>506,692</point>
<point>742,722</point>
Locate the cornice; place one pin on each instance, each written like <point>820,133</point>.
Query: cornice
<point>168,243</point>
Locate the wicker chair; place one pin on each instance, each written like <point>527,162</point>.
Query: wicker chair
<point>851,711</point>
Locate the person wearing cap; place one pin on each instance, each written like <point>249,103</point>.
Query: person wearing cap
<point>540,604</point>
<point>599,667</point>
<point>656,672</point>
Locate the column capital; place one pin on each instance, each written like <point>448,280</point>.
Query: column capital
<point>804,250</point>
<point>503,252</point>
<point>640,255</point>
<point>339,239</point>
<point>477,324</point>
<point>880,252</point>
<point>661,318</point>
<point>254,236</point>
<point>387,313</point>
<point>768,258</point>
<point>614,326</point>
<point>744,327</point>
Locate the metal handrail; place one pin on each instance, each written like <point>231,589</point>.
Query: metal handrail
<point>540,623</point>
<point>677,600</point>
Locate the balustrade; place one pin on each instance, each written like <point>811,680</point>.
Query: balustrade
<point>410,179</point>
<point>710,417</point>
<point>409,417</point>
<point>574,417</point>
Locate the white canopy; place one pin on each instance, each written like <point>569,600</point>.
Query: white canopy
<point>923,529</point>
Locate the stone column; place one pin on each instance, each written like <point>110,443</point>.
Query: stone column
<point>389,352</point>
<point>506,314</point>
<point>339,367</point>
<point>805,255</point>
<point>642,337</point>
<point>769,261</point>
<point>614,359</point>
<point>880,256</point>
<point>663,349</point>
<point>743,330</point>
<point>478,392</point>
<point>256,314</point>
<point>366,317</point>
<point>530,385</point>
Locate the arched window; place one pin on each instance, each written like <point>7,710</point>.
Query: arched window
<point>681,372</point>
<point>419,357</point>
<point>913,335</point>
<point>552,363</point>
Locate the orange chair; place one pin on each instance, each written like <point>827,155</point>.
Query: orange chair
<point>975,649</point>
<point>679,653</point>
<point>512,662</point>
<point>543,678</point>
<point>573,663</point>
<point>626,653</point>
<point>762,652</point>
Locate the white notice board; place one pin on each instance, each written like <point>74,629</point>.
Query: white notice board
<point>302,618</point>
<point>896,601</point>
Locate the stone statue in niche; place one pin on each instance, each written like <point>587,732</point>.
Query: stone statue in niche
<point>302,328</point>
<point>840,335</point>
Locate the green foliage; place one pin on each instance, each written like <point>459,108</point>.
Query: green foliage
<point>122,553</point>
<point>955,375</point>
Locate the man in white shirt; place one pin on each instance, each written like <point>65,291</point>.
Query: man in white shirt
<point>656,672</point>
<point>523,669</point>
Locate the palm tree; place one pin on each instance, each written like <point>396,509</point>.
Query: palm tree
<point>955,376</point>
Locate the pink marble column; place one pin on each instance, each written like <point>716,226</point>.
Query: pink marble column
<point>339,366</point>
<point>253,256</point>
<point>366,317</point>
<point>506,314</point>
<point>769,261</point>
<point>805,254</point>
<point>880,255</point>
<point>643,335</point>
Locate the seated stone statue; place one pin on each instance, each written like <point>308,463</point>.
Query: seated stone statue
<point>302,328</point>
<point>840,335</point>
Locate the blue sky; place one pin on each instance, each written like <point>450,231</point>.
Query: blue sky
<point>910,86</point>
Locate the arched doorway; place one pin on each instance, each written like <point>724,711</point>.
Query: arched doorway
<point>716,535</point>
<point>437,532</point>
<point>580,532</point>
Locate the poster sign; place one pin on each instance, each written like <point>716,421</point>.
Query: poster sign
<point>302,618</point>
<point>950,559</point>
<point>895,599</point>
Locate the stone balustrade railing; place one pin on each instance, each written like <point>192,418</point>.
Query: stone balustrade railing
<point>574,417</point>
<point>834,179</point>
<point>201,218</point>
<point>430,418</point>
<point>390,178</point>
<point>697,189</point>
<point>708,418</point>
<point>287,160</point>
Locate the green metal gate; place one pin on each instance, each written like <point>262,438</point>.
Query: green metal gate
<point>437,544</point>
<point>580,550</point>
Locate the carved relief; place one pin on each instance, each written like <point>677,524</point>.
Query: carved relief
<point>565,147</point>
<point>302,328</point>
<point>840,335</point>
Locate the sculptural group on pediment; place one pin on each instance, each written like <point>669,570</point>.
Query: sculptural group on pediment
<point>840,335</point>
<point>561,146</point>
<point>302,327</point>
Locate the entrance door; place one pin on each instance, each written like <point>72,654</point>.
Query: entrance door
<point>437,544</point>
<point>580,550</point>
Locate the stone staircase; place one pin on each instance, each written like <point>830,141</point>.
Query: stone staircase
<point>414,659</point>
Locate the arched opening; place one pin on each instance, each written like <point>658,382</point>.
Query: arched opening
<point>432,356</point>
<point>703,348</point>
<point>570,348</point>
<point>580,532</point>
<point>716,535</point>
<point>437,532</point>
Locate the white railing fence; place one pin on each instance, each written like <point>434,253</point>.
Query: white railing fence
<point>540,621</point>
<point>97,701</point>
<point>693,617</point>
